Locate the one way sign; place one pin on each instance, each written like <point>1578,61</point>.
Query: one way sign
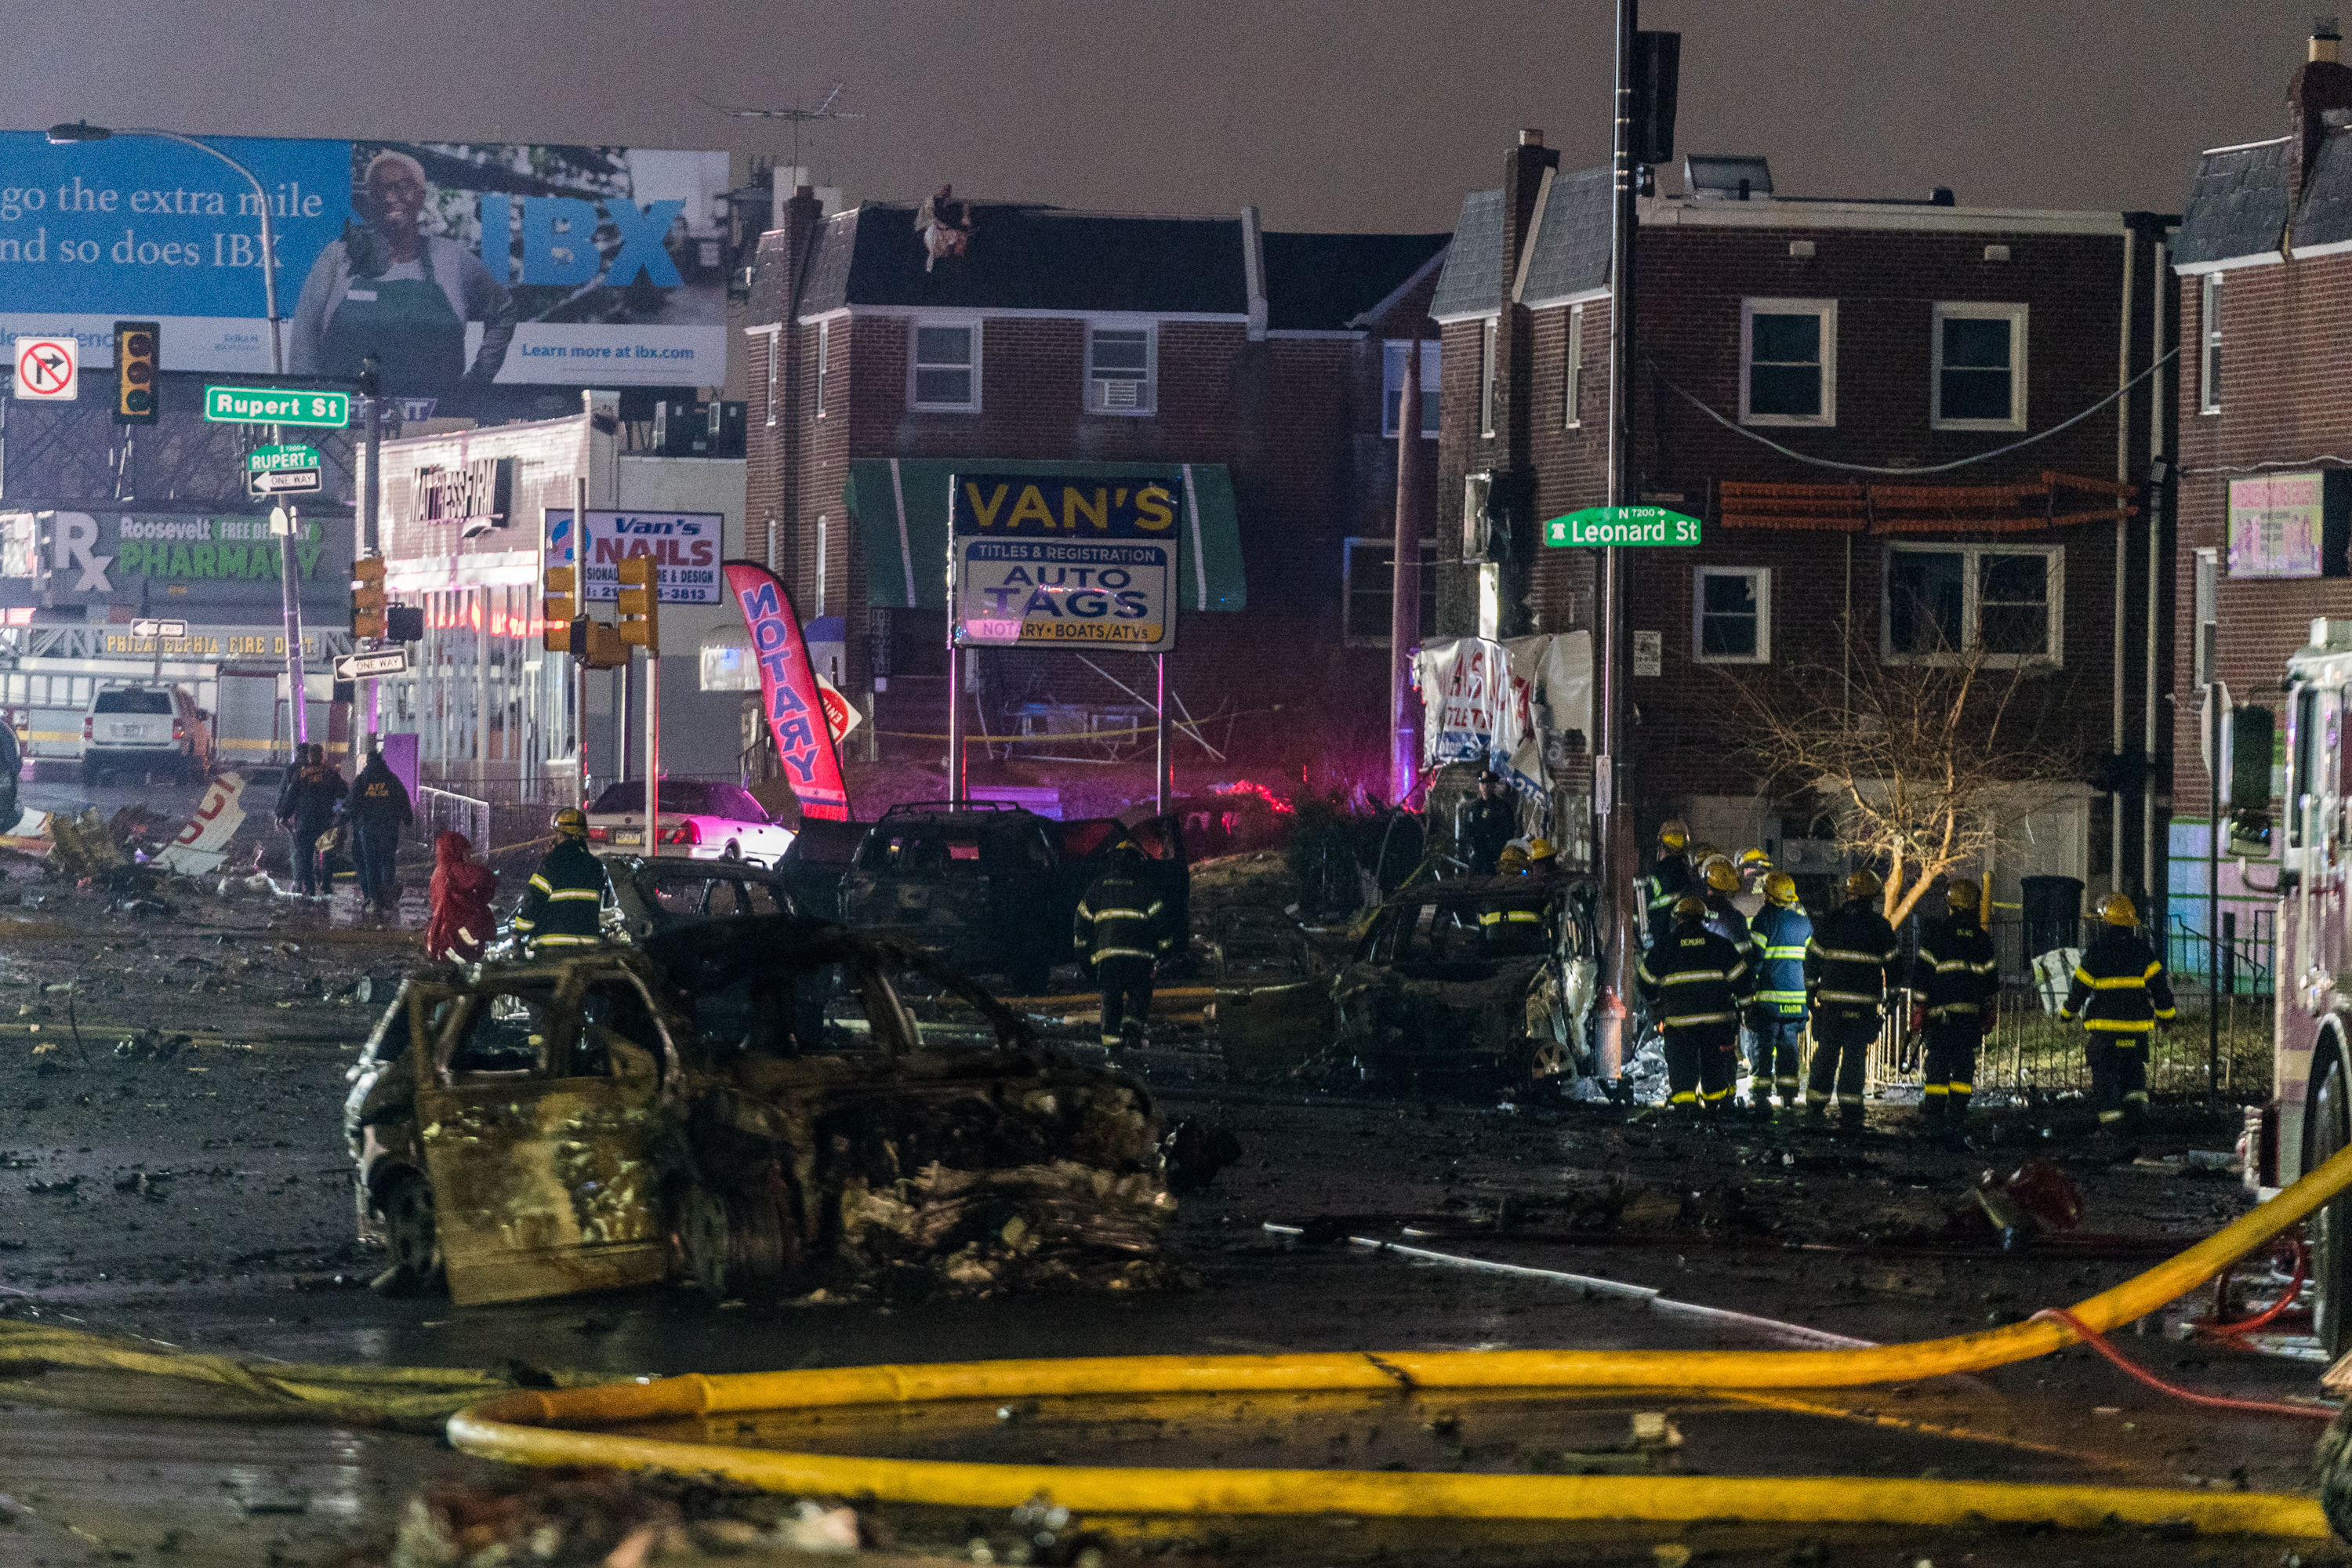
<point>45,370</point>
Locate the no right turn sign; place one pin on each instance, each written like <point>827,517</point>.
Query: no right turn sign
<point>45,370</point>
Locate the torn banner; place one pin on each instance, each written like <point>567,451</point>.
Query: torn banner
<point>1479,700</point>
<point>203,843</point>
<point>788,692</point>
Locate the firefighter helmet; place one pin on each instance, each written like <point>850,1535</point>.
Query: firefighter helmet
<point>1721,876</point>
<point>2116,909</point>
<point>1674,836</point>
<point>571,823</point>
<point>1511,862</point>
<point>1753,860</point>
<point>1780,887</point>
<point>1541,849</point>
<point>1689,909</point>
<point>1862,884</point>
<point>1962,896</point>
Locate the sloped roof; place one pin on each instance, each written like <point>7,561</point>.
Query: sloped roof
<point>1472,283</point>
<point>1322,282</point>
<point>1570,251</point>
<point>2238,205</point>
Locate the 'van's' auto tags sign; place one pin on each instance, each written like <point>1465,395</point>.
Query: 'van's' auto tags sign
<point>1043,561</point>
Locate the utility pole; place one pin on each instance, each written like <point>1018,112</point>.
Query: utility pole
<point>1404,595</point>
<point>1612,816</point>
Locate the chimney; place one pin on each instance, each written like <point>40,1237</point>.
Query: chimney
<point>1531,137</point>
<point>2319,94</point>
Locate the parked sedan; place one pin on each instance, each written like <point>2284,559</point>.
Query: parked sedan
<point>703,819</point>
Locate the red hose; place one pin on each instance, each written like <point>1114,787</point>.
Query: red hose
<point>2268,1314</point>
<point>2210,1401</point>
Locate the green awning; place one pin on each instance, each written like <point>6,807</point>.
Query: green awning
<point>901,508</point>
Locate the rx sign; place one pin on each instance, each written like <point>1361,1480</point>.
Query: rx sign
<point>47,370</point>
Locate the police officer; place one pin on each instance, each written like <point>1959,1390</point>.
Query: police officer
<point>1669,878</point>
<point>1849,962</point>
<point>1122,929</point>
<point>376,808</point>
<point>1777,1017</point>
<point>563,905</point>
<point>1488,823</point>
<point>2120,991</point>
<point>1953,988</point>
<point>1695,982</point>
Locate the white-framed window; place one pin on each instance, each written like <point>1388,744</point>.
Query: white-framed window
<point>1979,380</point>
<point>943,368</point>
<point>823,549</point>
<point>2004,603</point>
<point>775,367</point>
<point>1787,362</point>
<point>824,363</point>
<point>1368,581</point>
<point>1731,615</point>
<point>1571,381</point>
<point>1486,374</point>
<point>2208,345</point>
<point>1392,363</point>
<point>1123,369</point>
<point>2207,635</point>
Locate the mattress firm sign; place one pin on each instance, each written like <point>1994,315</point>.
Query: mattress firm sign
<point>1069,562</point>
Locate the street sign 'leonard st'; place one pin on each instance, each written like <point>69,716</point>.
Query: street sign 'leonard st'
<point>1622,525</point>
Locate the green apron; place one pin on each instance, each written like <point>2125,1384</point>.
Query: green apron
<point>406,322</point>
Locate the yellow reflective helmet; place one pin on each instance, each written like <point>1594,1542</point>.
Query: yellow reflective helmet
<point>1674,834</point>
<point>1541,849</point>
<point>2116,909</point>
<point>1963,896</point>
<point>1721,876</point>
<point>1780,889</point>
<point>1753,860</point>
<point>1702,852</point>
<point>571,823</point>
<point>1689,907</point>
<point>1862,884</point>
<point>1511,862</point>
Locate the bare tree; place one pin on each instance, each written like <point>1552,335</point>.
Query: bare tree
<point>1920,758</point>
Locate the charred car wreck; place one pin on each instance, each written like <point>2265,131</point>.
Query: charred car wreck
<point>632,1115</point>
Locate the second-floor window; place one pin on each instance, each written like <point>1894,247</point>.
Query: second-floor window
<point>1978,382</point>
<point>946,369</point>
<point>1731,615</point>
<point>2209,343</point>
<point>1486,375</point>
<point>1572,377</point>
<point>1946,602</point>
<point>1368,574</point>
<point>1392,363</point>
<point>1787,362</point>
<point>824,364</point>
<point>1122,370</point>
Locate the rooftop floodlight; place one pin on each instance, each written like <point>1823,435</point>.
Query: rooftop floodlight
<point>79,131</point>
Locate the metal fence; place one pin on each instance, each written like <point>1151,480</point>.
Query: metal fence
<point>442,811</point>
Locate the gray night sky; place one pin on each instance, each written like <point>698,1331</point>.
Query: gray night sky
<point>1327,115</point>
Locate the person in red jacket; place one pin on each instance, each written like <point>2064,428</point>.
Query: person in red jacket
<point>461,896</point>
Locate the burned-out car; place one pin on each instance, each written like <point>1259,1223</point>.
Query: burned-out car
<point>629,1115</point>
<point>660,893</point>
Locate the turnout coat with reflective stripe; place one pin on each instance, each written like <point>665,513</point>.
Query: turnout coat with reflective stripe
<point>1780,936</point>
<point>1668,880</point>
<point>1120,918</point>
<point>1850,959</point>
<point>562,906</point>
<point>2120,987</point>
<point>1695,977</point>
<point>1954,975</point>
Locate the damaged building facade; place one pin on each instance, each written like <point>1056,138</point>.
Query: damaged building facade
<point>1840,392</point>
<point>1254,373</point>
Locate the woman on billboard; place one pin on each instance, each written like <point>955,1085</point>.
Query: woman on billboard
<point>391,290</point>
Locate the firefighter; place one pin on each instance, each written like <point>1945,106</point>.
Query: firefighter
<point>1718,883</point>
<point>377,809</point>
<point>1849,961</point>
<point>1487,824</point>
<point>1754,866</point>
<point>1669,878</point>
<point>1695,983</point>
<point>1776,1019</point>
<point>1122,929</point>
<point>1953,987</point>
<point>2120,991</point>
<point>563,905</point>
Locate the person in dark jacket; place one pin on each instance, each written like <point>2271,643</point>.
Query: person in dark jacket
<point>1695,983</point>
<point>376,808</point>
<point>563,905</point>
<point>307,802</point>
<point>461,920</point>
<point>1489,825</point>
<point>1777,1017</point>
<point>1122,929</point>
<point>1849,964</point>
<point>1954,984</point>
<point>2120,991</point>
<point>1718,883</point>
<point>1669,878</point>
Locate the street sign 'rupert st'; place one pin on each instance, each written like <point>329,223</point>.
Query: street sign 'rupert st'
<point>277,406</point>
<point>1622,525</point>
<point>1046,561</point>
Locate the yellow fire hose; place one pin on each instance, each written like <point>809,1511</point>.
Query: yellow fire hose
<point>538,1428</point>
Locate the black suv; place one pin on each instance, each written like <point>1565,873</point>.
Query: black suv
<point>985,887</point>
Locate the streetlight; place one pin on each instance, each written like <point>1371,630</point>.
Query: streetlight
<point>83,131</point>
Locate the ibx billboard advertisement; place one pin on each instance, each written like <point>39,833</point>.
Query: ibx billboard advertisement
<point>451,262</point>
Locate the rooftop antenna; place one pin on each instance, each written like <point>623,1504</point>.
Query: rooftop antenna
<point>797,116</point>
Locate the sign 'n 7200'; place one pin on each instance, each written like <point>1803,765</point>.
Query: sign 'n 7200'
<point>1049,561</point>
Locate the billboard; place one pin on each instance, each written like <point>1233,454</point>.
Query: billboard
<point>1045,560</point>
<point>168,562</point>
<point>452,262</point>
<point>685,545</point>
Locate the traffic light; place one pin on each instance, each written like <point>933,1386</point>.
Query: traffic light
<point>640,623</point>
<point>597,646</point>
<point>558,607</point>
<point>367,596</point>
<point>137,346</point>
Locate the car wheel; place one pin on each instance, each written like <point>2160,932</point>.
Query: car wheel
<point>730,1244</point>
<point>2330,1128</point>
<point>406,1206</point>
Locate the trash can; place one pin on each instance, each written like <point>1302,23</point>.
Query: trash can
<point>2053,914</point>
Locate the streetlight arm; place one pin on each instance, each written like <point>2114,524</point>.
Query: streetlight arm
<point>268,233</point>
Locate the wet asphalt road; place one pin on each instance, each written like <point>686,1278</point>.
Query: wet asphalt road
<point>238,1241</point>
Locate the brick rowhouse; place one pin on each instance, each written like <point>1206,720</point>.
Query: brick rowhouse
<point>1836,329</point>
<point>1264,365</point>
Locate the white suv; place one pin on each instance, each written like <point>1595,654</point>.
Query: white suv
<point>144,729</point>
